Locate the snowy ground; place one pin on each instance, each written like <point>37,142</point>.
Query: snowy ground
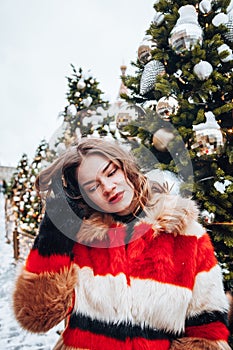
<point>12,336</point>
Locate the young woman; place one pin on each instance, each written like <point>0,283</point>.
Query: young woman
<point>123,261</point>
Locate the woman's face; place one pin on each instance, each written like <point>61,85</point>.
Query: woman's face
<point>105,184</point>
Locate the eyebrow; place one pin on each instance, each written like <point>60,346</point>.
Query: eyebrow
<point>102,171</point>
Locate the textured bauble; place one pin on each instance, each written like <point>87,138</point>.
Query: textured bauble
<point>209,138</point>
<point>158,18</point>
<point>203,70</point>
<point>220,18</point>
<point>71,110</point>
<point>187,31</point>
<point>229,34</point>
<point>162,138</point>
<point>77,94</point>
<point>225,47</point>
<point>87,101</point>
<point>205,6</point>
<point>81,84</point>
<point>167,106</point>
<point>144,50</point>
<point>207,217</point>
<point>151,70</point>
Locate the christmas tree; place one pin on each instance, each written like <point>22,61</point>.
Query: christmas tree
<point>84,103</point>
<point>18,189</point>
<point>24,199</point>
<point>184,83</point>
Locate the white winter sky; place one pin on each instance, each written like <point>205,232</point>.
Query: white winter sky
<point>38,41</point>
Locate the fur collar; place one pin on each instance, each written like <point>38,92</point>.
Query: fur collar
<point>169,213</point>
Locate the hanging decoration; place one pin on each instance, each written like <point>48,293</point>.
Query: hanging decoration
<point>229,34</point>
<point>207,217</point>
<point>81,84</point>
<point>230,7</point>
<point>162,138</point>
<point>205,6</point>
<point>203,70</point>
<point>225,47</point>
<point>158,18</point>
<point>209,138</point>
<point>145,48</point>
<point>187,31</point>
<point>167,106</point>
<point>151,104</point>
<point>151,70</point>
<point>87,101</point>
<point>71,110</point>
<point>220,18</point>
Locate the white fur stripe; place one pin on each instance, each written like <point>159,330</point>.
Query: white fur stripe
<point>194,229</point>
<point>143,302</point>
<point>208,293</point>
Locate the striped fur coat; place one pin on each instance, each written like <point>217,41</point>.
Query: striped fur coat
<point>153,283</point>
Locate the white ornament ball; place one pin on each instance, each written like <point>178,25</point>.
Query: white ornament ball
<point>87,101</point>
<point>220,18</point>
<point>71,110</point>
<point>81,84</point>
<point>151,70</point>
<point>77,94</point>
<point>205,6</point>
<point>203,70</point>
<point>225,47</point>
<point>167,106</point>
<point>162,138</point>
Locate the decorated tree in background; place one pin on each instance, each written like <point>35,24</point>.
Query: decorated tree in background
<point>18,188</point>
<point>33,215</point>
<point>184,82</point>
<point>84,97</point>
<point>26,203</point>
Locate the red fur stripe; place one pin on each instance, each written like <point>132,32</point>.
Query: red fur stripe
<point>87,340</point>
<point>37,263</point>
<point>211,331</point>
<point>163,258</point>
<point>205,256</point>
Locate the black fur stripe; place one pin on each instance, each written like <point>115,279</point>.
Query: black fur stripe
<point>207,317</point>
<point>119,331</point>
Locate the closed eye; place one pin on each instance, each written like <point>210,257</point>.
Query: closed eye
<point>93,188</point>
<point>112,172</point>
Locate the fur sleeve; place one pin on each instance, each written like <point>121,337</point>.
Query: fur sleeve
<point>44,290</point>
<point>198,344</point>
<point>41,301</point>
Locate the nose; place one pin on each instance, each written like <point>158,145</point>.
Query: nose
<point>107,186</point>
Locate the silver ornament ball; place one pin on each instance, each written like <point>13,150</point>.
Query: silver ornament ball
<point>187,31</point>
<point>167,106</point>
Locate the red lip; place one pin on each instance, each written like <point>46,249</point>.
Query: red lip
<point>116,197</point>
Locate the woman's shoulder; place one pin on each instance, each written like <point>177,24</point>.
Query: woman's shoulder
<point>174,214</point>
